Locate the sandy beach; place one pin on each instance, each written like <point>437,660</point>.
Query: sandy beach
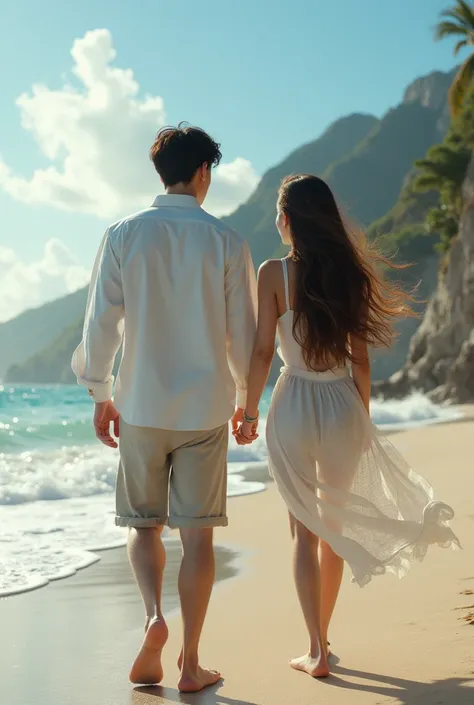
<point>408,642</point>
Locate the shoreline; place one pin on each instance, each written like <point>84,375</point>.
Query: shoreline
<point>254,475</point>
<point>114,561</point>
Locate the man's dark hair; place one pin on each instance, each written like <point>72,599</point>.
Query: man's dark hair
<point>178,152</point>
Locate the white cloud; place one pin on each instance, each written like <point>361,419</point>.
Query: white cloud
<point>25,285</point>
<point>97,139</point>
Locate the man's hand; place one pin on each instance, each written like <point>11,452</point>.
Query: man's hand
<point>105,414</point>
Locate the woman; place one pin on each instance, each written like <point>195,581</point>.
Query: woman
<point>350,495</point>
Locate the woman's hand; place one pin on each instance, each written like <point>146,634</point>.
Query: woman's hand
<point>246,433</point>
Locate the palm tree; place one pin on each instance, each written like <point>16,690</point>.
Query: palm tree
<point>459,22</point>
<point>443,169</point>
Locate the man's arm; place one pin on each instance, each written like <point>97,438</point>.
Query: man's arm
<point>93,360</point>
<point>241,305</point>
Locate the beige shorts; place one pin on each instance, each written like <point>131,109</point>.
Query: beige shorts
<point>177,478</point>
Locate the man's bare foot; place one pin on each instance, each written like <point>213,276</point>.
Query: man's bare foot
<point>147,668</point>
<point>315,667</point>
<point>198,680</point>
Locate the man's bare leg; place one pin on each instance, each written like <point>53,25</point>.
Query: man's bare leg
<point>196,578</point>
<point>331,568</point>
<point>308,587</point>
<point>147,558</point>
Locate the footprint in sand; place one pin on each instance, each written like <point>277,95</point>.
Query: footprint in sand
<point>469,618</point>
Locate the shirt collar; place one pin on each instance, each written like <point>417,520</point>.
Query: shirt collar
<point>175,201</point>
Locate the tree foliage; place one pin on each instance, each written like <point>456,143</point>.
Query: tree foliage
<point>458,22</point>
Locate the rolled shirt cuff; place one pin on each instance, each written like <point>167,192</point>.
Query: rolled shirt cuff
<point>98,391</point>
<point>241,400</point>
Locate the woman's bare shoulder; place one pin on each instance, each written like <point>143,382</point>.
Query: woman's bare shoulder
<point>270,269</point>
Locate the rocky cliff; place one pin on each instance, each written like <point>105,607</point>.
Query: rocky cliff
<point>430,91</point>
<point>441,356</point>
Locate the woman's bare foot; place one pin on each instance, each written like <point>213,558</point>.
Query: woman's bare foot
<point>315,667</point>
<point>147,668</point>
<point>198,680</point>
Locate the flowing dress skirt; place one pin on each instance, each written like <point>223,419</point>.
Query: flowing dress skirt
<point>346,482</point>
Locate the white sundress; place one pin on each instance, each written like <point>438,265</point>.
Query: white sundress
<point>339,476</point>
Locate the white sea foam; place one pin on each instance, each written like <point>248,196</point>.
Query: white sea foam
<point>411,412</point>
<point>58,510</point>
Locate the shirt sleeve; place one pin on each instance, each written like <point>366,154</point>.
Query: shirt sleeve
<point>241,307</point>
<point>93,360</point>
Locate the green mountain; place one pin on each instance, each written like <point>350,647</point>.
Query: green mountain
<point>368,181</point>
<point>364,160</point>
<point>367,161</point>
<point>53,364</point>
<point>255,219</point>
<point>34,330</point>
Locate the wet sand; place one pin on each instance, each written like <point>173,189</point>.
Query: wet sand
<point>408,642</point>
<point>55,646</point>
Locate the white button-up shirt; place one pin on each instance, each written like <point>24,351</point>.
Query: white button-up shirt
<point>178,288</point>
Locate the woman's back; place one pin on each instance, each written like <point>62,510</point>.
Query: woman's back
<point>290,350</point>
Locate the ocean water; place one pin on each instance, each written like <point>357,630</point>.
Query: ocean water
<point>57,481</point>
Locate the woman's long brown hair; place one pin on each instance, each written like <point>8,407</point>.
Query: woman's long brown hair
<point>340,289</point>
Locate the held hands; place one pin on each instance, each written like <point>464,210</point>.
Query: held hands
<point>244,432</point>
<point>104,415</point>
<point>247,433</point>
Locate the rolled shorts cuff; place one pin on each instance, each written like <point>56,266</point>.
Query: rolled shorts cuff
<point>196,523</point>
<point>141,522</point>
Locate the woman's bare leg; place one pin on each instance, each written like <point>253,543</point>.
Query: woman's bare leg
<point>338,474</point>
<point>331,567</point>
<point>308,587</point>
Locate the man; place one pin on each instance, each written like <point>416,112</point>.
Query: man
<point>177,287</point>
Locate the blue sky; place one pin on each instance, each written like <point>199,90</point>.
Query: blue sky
<point>262,77</point>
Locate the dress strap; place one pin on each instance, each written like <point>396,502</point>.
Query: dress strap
<point>284,265</point>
